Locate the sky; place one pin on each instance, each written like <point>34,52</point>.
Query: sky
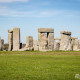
<point>29,15</point>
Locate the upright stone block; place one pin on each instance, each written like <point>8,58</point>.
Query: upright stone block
<point>56,45</point>
<point>46,39</point>
<point>65,43</point>
<point>29,42</point>
<point>35,45</point>
<point>76,45</point>
<point>16,39</point>
<point>45,30</point>
<point>10,40</point>
<point>2,44</point>
<point>51,41</point>
<point>43,42</point>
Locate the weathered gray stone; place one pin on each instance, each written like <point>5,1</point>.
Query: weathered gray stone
<point>10,41</point>
<point>16,39</point>
<point>65,43</point>
<point>46,39</point>
<point>29,42</point>
<point>2,44</point>
<point>56,45</point>
<point>76,45</point>
<point>74,38</point>
<point>10,31</point>
<point>43,30</point>
<point>57,38</point>
<point>35,45</point>
<point>65,32</point>
<point>51,41</point>
<point>43,42</point>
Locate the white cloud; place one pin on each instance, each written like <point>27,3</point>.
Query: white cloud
<point>5,11</point>
<point>9,1</point>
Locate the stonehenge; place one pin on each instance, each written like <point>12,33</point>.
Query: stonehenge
<point>29,42</point>
<point>14,39</point>
<point>57,43</point>
<point>10,40</point>
<point>35,45</point>
<point>76,46</point>
<point>1,44</point>
<point>46,41</point>
<point>57,46</point>
<point>65,43</point>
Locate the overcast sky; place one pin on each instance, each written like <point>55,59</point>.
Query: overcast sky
<point>29,15</point>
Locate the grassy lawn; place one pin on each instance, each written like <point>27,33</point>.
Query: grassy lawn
<point>57,65</point>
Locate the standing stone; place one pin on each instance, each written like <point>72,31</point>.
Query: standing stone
<point>16,39</point>
<point>51,41</point>
<point>29,42</point>
<point>76,45</point>
<point>10,40</point>
<point>46,39</point>
<point>65,43</point>
<point>35,45</point>
<point>43,42</point>
<point>56,45</point>
<point>2,44</point>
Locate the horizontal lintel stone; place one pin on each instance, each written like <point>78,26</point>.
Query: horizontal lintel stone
<point>44,30</point>
<point>65,32</point>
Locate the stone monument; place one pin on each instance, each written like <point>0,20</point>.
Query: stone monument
<point>76,44</point>
<point>10,40</point>
<point>29,42</point>
<point>16,39</point>
<point>35,45</point>
<point>65,43</point>
<point>46,39</point>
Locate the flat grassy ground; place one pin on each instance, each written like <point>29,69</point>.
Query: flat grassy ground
<point>29,65</point>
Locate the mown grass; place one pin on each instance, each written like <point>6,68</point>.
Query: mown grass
<point>29,65</point>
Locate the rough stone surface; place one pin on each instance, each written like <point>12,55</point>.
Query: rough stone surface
<point>57,38</point>
<point>1,44</point>
<point>35,45</point>
<point>43,42</point>
<point>16,39</point>
<point>56,45</point>
<point>51,41</point>
<point>2,41</point>
<point>65,43</point>
<point>45,30</point>
<point>76,45</point>
<point>65,32</point>
<point>46,39</point>
<point>74,38</point>
<point>10,31</point>
<point>29,42</point>
<point>10,41</point>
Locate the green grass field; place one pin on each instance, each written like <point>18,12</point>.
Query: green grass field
<point>57,65</point>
